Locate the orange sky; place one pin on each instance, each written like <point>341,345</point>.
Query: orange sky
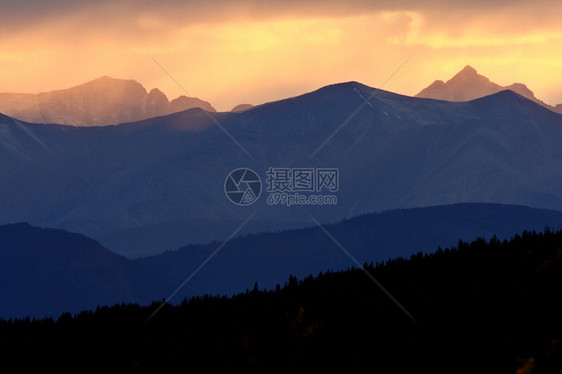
<point>253,51</point>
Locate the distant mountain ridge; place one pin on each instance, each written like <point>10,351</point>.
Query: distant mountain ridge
<point>270,258</point>
<point>49,271</point>
<point>101,102</point>
<point>468,85</point>
<point>397,152</point>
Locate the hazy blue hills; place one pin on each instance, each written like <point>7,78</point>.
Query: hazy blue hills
<point>484,307</point>
<point>47,272</point>
<point>270,258</point>
<point>395,152</point>
<point>50,271</point>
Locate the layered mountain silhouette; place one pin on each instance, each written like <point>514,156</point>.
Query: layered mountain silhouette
<point>103,101</point>
<point>270,258</point>
<point>483,307</point>
<point>47,272</point>
<point>169,171</point>
<point>468,85</point>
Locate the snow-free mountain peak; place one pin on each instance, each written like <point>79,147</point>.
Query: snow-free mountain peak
<point>467,71</point>
<point>468,85</point>
<point>100,102</point>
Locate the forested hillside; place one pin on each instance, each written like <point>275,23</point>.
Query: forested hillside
<point>483,307</point>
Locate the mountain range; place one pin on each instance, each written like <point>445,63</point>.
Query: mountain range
<point>47,272</point>
<point>394,152</point>
<point>468,85</point>
<point>270,258</point>
<point>101,102</point>
<point>483,307</point>
<point>109,101</point>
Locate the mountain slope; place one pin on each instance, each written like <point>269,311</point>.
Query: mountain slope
<point>468,85</point>
<point>397,152</point>
<point>46,272</point>
<point>271,257</point>
<point>484,307</point>
<point>103,101</point>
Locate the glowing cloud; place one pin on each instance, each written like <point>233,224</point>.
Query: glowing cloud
<point>253,51</point>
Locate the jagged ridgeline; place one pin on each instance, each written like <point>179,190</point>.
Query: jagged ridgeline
<point>163,177</point>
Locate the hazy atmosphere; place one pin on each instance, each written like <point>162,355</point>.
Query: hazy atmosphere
<point>232,52</point>
<point>281,186</point>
